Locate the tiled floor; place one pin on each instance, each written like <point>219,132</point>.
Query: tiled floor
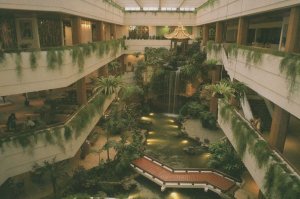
<point>168,176</point>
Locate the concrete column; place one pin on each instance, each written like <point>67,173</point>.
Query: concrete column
<point>242,31</point>
<point>81,91</point>
<point>293,30</point>
<point>98,31</point>
<point>205,35</point>
<point>76,30</point>
<point>114,31</point>
<point>219,31</point>
<point>215,78</point>
<point>102,31</point>
<point>279,128</point>
<point>80,84</point>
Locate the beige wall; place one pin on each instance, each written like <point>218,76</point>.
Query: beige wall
<point>159,19</point>
<point>228,9</point>
<point>265,78</point>
<point>92,9</point>
<point>15,160</point>
<point>43,78</point>
<point>139,45</point>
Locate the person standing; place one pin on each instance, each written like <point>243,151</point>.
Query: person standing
<point>11,122</point>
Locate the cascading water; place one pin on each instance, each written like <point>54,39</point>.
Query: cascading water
<point>173,88</point>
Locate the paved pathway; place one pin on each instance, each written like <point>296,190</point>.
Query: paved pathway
<point>181,176</point>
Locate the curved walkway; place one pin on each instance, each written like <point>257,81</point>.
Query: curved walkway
<point>167,177</point>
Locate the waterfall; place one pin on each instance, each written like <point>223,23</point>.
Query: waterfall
<point>173,89</point>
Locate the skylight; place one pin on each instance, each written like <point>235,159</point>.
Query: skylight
<point>132,8</point>
<point>187,9</point>
<point>150,8</point>
<point>168,9</point>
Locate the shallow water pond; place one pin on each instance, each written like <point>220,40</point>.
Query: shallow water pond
<point>164,144</point>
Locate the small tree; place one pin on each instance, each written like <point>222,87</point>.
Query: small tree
<point>224,158</point>
<point>52,171</point>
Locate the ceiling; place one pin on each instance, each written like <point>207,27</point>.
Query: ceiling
<point>161,3</point>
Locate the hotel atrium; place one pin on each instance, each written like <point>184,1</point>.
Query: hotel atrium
<point>140,99</point>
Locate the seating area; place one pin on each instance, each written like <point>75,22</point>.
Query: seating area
<point>45,108</point>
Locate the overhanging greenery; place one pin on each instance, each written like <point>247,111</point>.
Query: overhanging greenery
<point>53,135</point>
<point>55,56</point>
<point>290,63</point>
<point>279,181</point>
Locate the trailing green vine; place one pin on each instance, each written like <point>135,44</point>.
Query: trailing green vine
<point>279,181</point>
<point>18,62</point>
<point>33,60</point>
<point>290,63</point>
<point>54,135</point>
<point>55,56</point>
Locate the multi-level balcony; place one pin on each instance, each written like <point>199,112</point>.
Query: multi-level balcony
<point>272,74</point>
<point>23,72</point>
<point>272,173</point>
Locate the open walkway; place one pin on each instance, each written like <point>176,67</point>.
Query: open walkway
<point>167,177</point>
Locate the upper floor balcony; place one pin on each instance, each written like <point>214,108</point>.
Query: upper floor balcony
<point>273,174</point>
<point>272,74</point>
<point>29,71</point>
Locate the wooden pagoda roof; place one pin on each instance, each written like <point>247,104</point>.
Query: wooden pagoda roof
<point>179,33</point>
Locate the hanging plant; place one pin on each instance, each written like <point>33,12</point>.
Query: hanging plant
<point>51,59</point>
<point>290,64</point>
<point>101,49</point>
<point>2,56</point>
<point>60,57</point>
<point>18,62</point>
<point>107,46</point>
<point>48,137</point>
<point>33,60</point>
<point>67,133</point>
<point>80,60</point>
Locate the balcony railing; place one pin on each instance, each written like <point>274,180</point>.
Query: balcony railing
<point>273,74</point>
<point>19,152</point>
<point>43,69</point>
<point>273,174</point>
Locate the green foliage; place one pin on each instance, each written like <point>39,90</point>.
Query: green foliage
<point>131,94</point>
<point>114,67</point>
<point>280,184</point>
<point>67,133</point>
<point>261,152</point>
<point>192,109</point>
<point>33,61</point>
<point>213,47</point>
<point>51,59</point>
<point>101,49</point>
<point>50,171</point>
<point>290,64</point>
<point>108,85</point>
<point>2,56</point>
<point>222,89</point>
<point>279,181</point>
<point>18,62</point>
<point>224,158</point>
<point>225,89</point>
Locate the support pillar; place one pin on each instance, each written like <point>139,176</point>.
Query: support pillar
<point>98,31</point>
<point>242,31</point>
<point>205,33</point>
<point>215,78</point>
<point>81,91</point>
<point>293,30</point>
<point>279,128</point>
<point>114,31</point>
<point>219,31</point>
<point>102,31</point>
<point>76,30</point>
